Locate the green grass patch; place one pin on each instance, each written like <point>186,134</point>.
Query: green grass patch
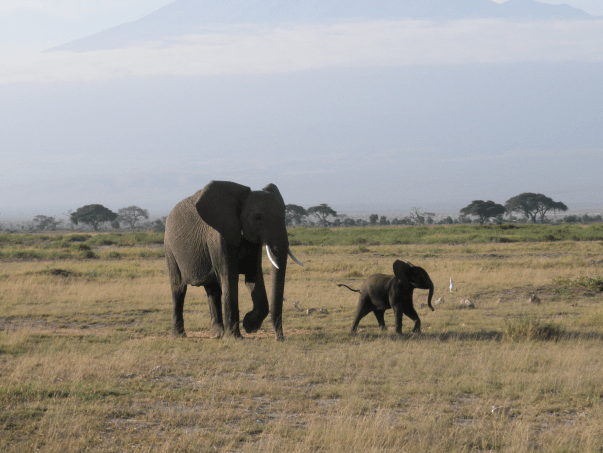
<point>20,254</point>
<point>302,236</point>
<point>592,283</point>
<point>32,247</point>
<point>90,240</point>
<point>443,234</point>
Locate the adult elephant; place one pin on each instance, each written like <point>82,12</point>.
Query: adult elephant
<point>214,236</point>
<point>380,292</point>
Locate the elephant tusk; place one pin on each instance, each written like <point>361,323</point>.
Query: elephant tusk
<point>293,257</point>
<point>271,258</point>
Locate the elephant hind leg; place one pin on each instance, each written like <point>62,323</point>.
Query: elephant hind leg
<point>364,308</point>
<point>412,314</point>
<point>178,294</point>
<point>214,297</point>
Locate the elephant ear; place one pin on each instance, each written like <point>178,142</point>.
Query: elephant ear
<point>219,204</point>
<point>401,271</point>
<point>274,190</point>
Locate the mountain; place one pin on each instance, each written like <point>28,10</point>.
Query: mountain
<point>196,16</point>
<point>533,10</point>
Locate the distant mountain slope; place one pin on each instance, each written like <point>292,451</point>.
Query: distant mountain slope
<point>194,16</point>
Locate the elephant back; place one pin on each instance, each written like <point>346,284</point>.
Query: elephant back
<point>183,217</point>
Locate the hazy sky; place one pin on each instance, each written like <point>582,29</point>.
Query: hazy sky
<point>33,25</point>
<point>372,116</point>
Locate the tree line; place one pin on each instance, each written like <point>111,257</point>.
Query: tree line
<point>97,216</point>
<point>531,207</point>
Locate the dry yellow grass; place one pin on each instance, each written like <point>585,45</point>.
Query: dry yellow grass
<point>86,363</point>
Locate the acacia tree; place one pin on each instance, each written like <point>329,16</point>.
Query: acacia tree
<point>93,215</point>
<point>485,210</point>
<point>131,215</point>
<point>294,213</point>
<point>322,213</point>
<point>416,216</point>
<point>533,204</point>
<point>159,225</point>
<point>349,222</point>
<point>45,223</point>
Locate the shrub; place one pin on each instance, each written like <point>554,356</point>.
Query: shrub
<point>78,237</point>
<point>57,272</point>
<point>90,255</point>
<point>526,328</point>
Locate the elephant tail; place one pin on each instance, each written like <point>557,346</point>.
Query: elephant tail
<point>355,290</point>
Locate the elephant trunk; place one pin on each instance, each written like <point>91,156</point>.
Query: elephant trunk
<point>278,289</point>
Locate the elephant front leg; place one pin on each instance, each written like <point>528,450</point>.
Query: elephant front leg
<point>178,294</point>
<point>214,297</point>
<point>253,320</point>
<point>412,314</point>
<point>398,316</point>
<point>254,281</point>
<point>379,314</point>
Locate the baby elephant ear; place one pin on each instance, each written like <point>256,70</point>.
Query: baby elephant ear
<point>401,270</point>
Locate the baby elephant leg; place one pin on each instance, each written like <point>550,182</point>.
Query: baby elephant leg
<point>363,309</point>
<point>412,314</point>
<point>379,314</point>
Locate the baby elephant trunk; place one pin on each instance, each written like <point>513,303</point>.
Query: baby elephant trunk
<point>430,295</point>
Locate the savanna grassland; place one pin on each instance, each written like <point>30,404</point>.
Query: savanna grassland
<point>86,362</point>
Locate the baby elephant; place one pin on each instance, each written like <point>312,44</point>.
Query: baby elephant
<point>380,292</point>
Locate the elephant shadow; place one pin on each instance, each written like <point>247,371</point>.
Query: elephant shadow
<point>485,336</point>
<point>434,337</point>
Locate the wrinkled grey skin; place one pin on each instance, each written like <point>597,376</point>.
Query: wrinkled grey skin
<point>380,292</point>
<point>214,236</point>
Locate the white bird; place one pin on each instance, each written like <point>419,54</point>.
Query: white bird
<point>451,285</point>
